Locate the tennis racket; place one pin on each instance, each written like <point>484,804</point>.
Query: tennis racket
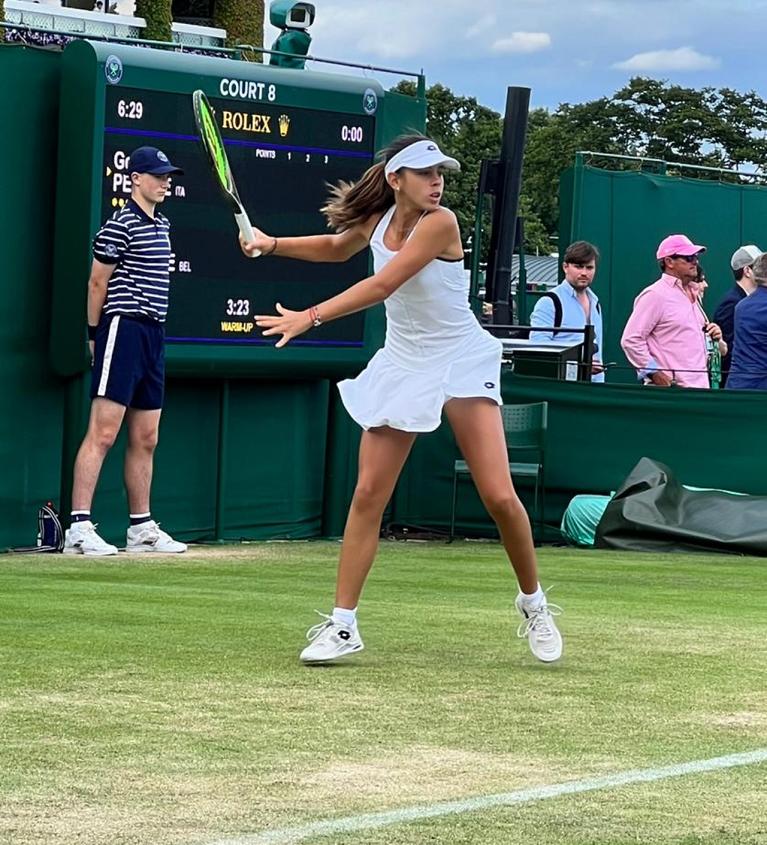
<point>210,138</point>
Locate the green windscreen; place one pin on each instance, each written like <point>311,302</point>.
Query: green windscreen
<point>627,214</point>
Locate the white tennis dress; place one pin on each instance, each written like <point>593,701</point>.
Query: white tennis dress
<point>435,349</point>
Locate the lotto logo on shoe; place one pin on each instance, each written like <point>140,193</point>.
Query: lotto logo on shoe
<point>329,641</point>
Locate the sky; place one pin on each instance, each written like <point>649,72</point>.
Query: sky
<point>563,50</point>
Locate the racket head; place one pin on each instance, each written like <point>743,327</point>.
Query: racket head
<point>213,144</point>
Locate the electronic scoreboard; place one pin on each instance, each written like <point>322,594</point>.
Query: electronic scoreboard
<point>288,135</point>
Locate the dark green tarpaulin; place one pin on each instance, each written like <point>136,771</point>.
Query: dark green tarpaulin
<point>653,512</point>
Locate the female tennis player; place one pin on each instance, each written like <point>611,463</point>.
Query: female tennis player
<point>436,357</point>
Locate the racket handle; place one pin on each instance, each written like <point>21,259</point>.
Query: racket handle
<point>246,230</point>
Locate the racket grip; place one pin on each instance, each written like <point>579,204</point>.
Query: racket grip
<point>246,230</point>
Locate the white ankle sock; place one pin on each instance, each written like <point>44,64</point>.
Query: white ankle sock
<point>345,616</point>
<point>533,599</point>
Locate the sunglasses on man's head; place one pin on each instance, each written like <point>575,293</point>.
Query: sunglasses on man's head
<point>690,259</point>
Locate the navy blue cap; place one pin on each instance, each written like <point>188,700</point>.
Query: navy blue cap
<point>151,160</point>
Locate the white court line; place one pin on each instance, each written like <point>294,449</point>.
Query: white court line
<point>368,821</point>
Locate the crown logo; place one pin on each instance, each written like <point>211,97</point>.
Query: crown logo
<point>284,124</point>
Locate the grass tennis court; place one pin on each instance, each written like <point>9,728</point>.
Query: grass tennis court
<point>161,701</point>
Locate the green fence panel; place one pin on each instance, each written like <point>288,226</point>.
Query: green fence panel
<point>753,207</point>
<point>253,470</point>
<point>595,437</point>
<point>275,459</point>
<point>185,467</point>
<point>31,399</point>
<point>626,214</point>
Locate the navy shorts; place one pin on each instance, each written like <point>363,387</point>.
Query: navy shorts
<point>129,362</point>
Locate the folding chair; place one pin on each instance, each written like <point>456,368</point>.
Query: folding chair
<point>525,429</point>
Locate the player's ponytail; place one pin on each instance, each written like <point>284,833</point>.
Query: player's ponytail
<point>353,203</point>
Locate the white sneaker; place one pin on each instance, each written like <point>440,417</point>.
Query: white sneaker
<point>540,629</point>
<point>149,537</point>
<point>330,640</point>
<point>81,539</point>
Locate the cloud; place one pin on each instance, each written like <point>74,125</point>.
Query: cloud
<point>358,32</point>
<point>683,58</point>
<point>522,42</point>
<point>481,26</point>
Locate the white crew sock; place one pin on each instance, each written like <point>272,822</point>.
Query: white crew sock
<point>345,616</point>
<point>533,599</point>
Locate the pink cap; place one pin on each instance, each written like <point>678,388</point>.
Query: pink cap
<point>677,245</point>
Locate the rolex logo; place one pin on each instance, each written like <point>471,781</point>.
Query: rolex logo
<point>284,123</point>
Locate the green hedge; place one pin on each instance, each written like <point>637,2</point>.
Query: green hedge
<point>243,21</point>
<point>157,14</point>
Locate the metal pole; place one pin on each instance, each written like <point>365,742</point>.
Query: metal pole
<point>589,334</point>
<point>507,200</point>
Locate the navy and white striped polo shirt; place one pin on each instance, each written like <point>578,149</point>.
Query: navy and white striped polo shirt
<point>140,247</point>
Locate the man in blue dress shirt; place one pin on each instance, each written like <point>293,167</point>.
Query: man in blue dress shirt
<point>572,304</point>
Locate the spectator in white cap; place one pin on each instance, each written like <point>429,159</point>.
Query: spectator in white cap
<point>742,264</point>
<point>665,336</point>
<point>436,359</point>
<point>749,357</point>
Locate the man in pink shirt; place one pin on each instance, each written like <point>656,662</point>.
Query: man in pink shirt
<point>665,336</point>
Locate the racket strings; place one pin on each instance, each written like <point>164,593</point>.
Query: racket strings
<point>216,148</point>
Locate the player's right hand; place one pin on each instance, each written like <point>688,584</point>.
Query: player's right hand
<point>260,243</point>
<point>92,350</point>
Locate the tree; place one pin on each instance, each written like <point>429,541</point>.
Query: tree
<point>718,128</point>
<point>646,118</point>
<point>243,21</point>
<point>158,19</point>
<point>552,141</point>
<point>471,133</point>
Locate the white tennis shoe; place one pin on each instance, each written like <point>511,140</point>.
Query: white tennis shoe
<point>149,537</point>
<point>82,539</point>
<point>330,640</point>
<point>539,628</point>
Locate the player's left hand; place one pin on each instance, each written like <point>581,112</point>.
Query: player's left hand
<point>289,324</point>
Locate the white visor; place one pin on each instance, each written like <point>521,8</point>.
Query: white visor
<point>420,155</point>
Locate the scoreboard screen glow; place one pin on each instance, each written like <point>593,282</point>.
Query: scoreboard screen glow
<point>289,134</point>
<point>283,158</point>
